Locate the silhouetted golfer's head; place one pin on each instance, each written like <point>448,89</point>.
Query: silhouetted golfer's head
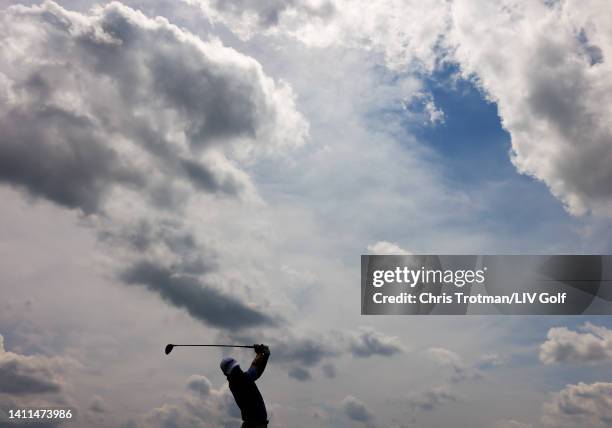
<point>227,365</point>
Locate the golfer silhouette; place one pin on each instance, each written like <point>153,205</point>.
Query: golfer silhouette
<point>245,392</point>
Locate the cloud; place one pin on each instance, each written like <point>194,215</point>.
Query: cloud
<point>583,405</point>
<point>377,25</point>
<point>130,121</point>
<point>199,384</point>
<point>201,302</point>
<point>459,370</point>
<point>549,81</point>
<point>306,351</point>
<point>433,399</point>
<point>385,247</point>
<point>298,373</point>
<point>30,374</point>
<point>33,381</point>
<point>368,342</point>
<point>248,17</point>
<point>590,344</point>
<point>202,406</point>
<point>140,103</point>
<point>299,353</point>
<point>356,410</point>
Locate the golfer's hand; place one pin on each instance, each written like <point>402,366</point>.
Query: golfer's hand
<point>262,349</point>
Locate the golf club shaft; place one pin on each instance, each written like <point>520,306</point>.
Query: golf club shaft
<point>221,346</point>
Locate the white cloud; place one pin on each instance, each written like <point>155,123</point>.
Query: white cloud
<point>582,405</point>
<point>591,344</point>
<point>386,248</point>
<point>378,25</point>
<point>535,61</point>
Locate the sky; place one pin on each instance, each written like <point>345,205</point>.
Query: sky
<point>211,171</point>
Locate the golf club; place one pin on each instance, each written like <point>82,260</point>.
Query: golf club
<point>170,346</point>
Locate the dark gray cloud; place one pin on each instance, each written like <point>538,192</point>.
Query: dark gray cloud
<point>17,378</point>
<point>356,410</point>
<point>367,343</point>
<point>298,354</point>
<point>299,373</point>
<point>287,348</point>
<point>60,156</point>
<point>306,351</point>
<point>295,354</point>
<point>202,302</point>
<point>31,381</point>
<point>23,375</point>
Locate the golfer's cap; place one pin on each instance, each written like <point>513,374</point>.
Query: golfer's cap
<point>227,365</point>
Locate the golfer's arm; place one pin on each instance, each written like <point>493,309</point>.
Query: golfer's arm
<point>259,364</point>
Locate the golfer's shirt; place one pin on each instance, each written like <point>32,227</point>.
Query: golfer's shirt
<point>247,395</point>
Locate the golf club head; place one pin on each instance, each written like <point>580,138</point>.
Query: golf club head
<point>169,348</point>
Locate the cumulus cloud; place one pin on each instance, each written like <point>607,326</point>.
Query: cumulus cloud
<point>590,344</point>
<point>356,410</point>
<point>140,97</point>
<point>549,81</point>
<point>581,405</point>
<point>433,398</point>
<point>386,248</point>
<point>378,25</point>
<point>128,120</point>
<point>199,384</point>
<point>299,353</point>
<point>368,342</point>
<point>201,406</point>
<point>33,381</point>
<point>30,374</point>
